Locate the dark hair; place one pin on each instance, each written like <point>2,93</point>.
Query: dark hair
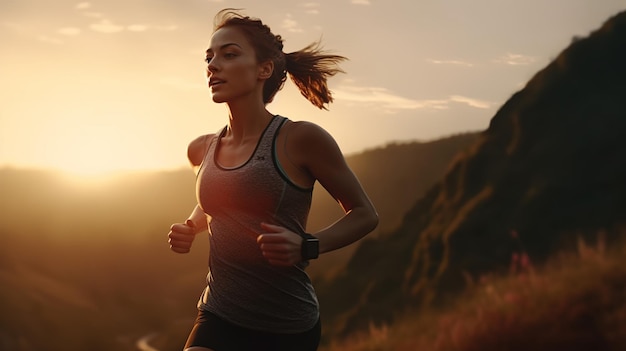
<point>308,68</point>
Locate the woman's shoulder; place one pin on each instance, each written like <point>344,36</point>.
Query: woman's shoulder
<point>198,147</point>
<point>305,131</point>
<point>307,134</point>
<point>307,141</point>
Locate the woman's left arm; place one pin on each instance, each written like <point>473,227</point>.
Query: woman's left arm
<point>312,150</point>
<point>321,157</point>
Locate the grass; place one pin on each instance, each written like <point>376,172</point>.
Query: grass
<point>577,301</point>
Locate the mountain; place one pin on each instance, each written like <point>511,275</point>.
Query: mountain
<point>549,169</point>
<point>84,262</point>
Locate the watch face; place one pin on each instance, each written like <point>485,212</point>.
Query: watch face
<point>310,247</point>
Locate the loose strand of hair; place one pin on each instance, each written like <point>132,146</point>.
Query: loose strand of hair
<point>227,13</point>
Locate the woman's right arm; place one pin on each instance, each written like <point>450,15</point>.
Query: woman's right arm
<point>181,235</point>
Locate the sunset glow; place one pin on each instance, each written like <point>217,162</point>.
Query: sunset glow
<point>94,151</point>
<point>97,87</point>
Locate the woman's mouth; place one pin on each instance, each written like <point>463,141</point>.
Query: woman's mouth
<point>214,82</point>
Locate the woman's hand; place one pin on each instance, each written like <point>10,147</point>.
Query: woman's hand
<point>181,236</point>
<point>280,246</point>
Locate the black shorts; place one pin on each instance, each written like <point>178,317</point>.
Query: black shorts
<point>215,333</point>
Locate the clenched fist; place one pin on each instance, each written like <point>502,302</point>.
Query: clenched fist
<point>181,236</point>
<point>279,246</point>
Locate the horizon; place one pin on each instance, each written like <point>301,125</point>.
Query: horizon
<point>106,175</point>
<point>95,88</point>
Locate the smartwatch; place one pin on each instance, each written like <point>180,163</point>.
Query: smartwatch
<point>310,247</point>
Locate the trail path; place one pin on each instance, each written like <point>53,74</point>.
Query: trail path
<point>143,343</point>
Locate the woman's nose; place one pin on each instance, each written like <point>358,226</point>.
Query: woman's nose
<point>212,65</point>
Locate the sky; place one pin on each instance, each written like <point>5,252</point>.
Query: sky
<point>116,85</point>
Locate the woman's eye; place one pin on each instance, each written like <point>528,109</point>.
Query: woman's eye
<point>229,55</point>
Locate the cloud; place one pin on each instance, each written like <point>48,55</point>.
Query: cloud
<point>311,8</point>
<point>291,25</point>
<point>361,2</point>
<point>384,98</point>
<point>137,28</point>
<point>470,102</point>
<point>145,27</point>
<point>387,100</point>
<point>515,59</point>
<point>69,31</point>
<point>451,62</point>
<point>106,26</point>
<point>83,5</point>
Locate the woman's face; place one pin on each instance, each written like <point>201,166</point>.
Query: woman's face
<point>232,71</point>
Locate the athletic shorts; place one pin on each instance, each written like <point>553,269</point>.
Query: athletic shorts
<point>215,333</point>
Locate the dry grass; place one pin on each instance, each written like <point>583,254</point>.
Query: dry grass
<point>575,302</point>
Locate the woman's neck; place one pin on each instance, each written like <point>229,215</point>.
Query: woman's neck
<point>246,121</point>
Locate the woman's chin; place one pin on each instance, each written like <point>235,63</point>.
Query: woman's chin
<point>218,99</point>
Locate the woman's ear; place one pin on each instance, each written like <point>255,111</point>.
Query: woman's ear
<point>266,69</point>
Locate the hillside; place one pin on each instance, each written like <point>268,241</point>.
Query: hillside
<point>71,251</point>
<point>549,168</point>
<point>573,302</point>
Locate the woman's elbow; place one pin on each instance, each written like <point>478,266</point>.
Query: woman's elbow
<point>371,219</point>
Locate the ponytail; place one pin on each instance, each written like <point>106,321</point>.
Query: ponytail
<point>309,69</point>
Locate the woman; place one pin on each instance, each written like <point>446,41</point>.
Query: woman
<point>254,186</point>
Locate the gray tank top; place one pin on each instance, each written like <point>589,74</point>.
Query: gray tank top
<point>242,287</point>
